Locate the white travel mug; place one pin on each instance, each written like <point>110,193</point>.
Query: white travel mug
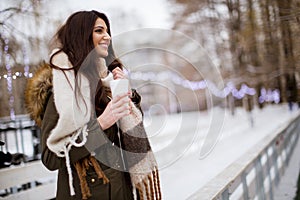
<point>119,87</point>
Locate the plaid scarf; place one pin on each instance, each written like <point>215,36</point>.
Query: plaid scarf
<point>139,156</point>
<point>141,161</point>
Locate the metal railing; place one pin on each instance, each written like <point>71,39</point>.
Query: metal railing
<point>257,173</point>
<point>28,179</point>
<point>20,135</point>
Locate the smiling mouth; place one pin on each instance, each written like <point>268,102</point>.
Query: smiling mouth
<point>104,45</point>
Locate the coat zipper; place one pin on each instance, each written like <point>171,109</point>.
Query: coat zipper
<point>121,148</point>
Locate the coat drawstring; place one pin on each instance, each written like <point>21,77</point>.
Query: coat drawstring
<point>67,148</point>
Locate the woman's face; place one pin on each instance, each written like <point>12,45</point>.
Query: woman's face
<point>101,38</point>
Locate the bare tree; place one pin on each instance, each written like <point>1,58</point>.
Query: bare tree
<point>263,38</point>
<point>20,50</point>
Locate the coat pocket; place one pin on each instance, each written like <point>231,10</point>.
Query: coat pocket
<point>98,189</point>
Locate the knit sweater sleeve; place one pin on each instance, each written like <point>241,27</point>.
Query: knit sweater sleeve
<point>136,99</point>
<point>95,139</point>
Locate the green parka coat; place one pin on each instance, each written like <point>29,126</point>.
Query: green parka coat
<point>40,103</point>
<point>119,186</point>
<point>39,99</point>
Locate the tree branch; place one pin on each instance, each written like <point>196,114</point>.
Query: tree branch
<point>16,9</point>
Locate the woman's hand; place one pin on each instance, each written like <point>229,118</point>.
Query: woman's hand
<point>117,108</point>
<point>119,74</point>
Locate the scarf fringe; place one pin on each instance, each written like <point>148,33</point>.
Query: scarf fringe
<point>82,178</point>
<point>149,187</point>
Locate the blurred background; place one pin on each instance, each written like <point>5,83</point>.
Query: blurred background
<point>251,43</point>
<point>182,56</point>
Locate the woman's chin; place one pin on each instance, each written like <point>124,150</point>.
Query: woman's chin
<point>103,54</point>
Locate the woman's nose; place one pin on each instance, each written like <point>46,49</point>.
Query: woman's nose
<point>107,36</point>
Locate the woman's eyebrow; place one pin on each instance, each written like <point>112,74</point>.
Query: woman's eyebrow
<point>99,26</point>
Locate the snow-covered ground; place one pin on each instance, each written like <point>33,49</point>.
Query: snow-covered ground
<point>178,142</point>
<point>192,148</point>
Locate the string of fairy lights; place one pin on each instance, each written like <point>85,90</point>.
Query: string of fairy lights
<point>267,95</point>
<point>8,76</point>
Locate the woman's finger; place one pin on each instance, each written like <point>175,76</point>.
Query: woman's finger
<point>117,69</point>
<point>121,109</point>
<point>119,76</point>
<point>120,103</point>
<point>120,99</point>
<point>118,73</point>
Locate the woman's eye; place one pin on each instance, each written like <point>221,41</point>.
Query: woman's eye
<point>99,30</point>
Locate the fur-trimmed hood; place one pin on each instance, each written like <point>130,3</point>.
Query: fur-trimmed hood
<point>39,87</point>
<point>37,92</point>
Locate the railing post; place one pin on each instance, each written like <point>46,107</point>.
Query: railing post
<point>225,194</point>
<point>5,140</point>
<point>274,159</point>
<point>15,129</point>
<point>259,179</point>
<point>269,175</point>
<point>245,186</point>
<point>22,137</point>
<point>1,147</point>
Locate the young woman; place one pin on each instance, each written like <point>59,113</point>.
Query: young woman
<point>96,142</point>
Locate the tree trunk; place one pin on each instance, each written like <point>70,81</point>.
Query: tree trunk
<point>284,8</point>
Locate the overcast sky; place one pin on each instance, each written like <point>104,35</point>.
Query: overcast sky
<point>124,17</point>
<point>150,14</point>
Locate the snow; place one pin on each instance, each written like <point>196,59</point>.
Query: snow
<point>188,171</point>
<point>179,142</point>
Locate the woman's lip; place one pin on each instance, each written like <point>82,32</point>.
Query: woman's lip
<point>104,44</point>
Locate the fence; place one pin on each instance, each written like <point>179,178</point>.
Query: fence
<point>20,135</point>
<point>258,172</point>
<point>30,179</point>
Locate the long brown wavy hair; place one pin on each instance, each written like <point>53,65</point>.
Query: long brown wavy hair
<point>75,38</point>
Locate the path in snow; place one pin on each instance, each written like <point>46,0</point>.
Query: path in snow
<point>182,170</point>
